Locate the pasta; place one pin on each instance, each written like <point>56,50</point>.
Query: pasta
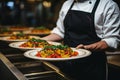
<point>36,43</point>
<point>57,51</point>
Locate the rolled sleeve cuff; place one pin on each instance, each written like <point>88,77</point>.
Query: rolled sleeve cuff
<point>58,32</point>
<point>112,43</point>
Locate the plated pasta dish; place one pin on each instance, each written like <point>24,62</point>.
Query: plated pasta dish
<point>36,43</point>
<point>56,51</point>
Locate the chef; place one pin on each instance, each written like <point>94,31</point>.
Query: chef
<point>89,24</point>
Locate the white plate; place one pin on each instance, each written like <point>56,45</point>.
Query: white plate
<point>17,45</point>
<point>7,38</point>
<point>2,35</point>
<point>19,28</point>
<point>82,53</point>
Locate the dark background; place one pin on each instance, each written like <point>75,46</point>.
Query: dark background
<point>30,12</point>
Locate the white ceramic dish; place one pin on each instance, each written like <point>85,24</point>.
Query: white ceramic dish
<point>32,54</point>
<point>17,45</point>
<point>7,38</point>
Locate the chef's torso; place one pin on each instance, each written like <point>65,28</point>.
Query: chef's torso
<point>79,27</point>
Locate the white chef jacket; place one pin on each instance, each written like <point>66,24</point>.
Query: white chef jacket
<point>107,19</point>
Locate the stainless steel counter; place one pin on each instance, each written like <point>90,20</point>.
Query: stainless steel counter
<point>23,68</point>
<point>18,67</point>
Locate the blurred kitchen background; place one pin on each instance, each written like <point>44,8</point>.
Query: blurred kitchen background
<point>29,12</point>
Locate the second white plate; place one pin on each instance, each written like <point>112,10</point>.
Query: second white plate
<point>17,45</point>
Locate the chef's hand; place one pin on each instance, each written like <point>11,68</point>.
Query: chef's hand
<point>98,46</point>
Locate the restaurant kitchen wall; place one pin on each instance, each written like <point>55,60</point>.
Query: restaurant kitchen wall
<point>29,12</point>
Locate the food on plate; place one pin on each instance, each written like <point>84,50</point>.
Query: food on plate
<point>40,30</point>
<point>35,43</point>
<point>5,31</point>
<point>56,51</point>
<point>19,36</point>
<point>18,28</point>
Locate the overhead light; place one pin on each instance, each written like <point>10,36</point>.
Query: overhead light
<point>46,4</point>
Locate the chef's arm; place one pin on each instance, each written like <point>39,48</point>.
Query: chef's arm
<point>52,37</point>
<point>110,38</point>
<point>98,46</point>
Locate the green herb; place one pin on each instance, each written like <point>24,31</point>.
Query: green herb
<point>20,34</point>
<point>37,40</point>
<point>56,47</point>
<point>41,27</point>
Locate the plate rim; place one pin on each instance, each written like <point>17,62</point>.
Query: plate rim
<point>17,40</point>
<point>27,48</point>
<point>23,48</point>
<point>88,53</point>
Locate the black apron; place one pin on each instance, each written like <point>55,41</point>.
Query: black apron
<point>80,29</point>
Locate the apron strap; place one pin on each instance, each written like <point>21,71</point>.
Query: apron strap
<point>71,5</point>
<point>95,7</point>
